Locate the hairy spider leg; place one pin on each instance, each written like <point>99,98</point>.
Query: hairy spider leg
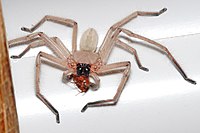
<point>58,20</point>
<point>40,39</point>
<point>163,48</point>
<point>108,44</point>
<point>120,67</point>
<point>56,61</point>
<point>130,49</point>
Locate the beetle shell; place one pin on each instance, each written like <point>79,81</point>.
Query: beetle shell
<point>82,82</point>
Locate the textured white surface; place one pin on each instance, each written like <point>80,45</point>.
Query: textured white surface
<point>157,101</point>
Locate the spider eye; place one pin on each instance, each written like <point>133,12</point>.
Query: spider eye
<point>79,71</point>
<point>83,69</point>
<point>87,71</point>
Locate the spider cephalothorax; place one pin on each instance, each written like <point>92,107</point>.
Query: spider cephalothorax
<point>81,65</point>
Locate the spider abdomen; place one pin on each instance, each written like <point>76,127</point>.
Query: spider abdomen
<point>89,40</point>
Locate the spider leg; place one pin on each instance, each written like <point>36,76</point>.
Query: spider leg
<point>62,21</point>
<point>40,39</point>
<point>110,69</point>
<point>163,48</point>
<point>132,51</point>
<point>135,15</point>
<point>95,86</point>
<point>62,47</point>
<point>107,46</point>
<point>56,61</point>
<point>31,45</point>
<point>67,76</point>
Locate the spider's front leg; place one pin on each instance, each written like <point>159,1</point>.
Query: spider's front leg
<point>67,76</point>
<point>107,44</point>
<point>123,67</point>
<point>95,86</point>
<point>56,61</point>
<point>62,21</point>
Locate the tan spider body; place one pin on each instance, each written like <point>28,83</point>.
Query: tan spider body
<point>88,63</point>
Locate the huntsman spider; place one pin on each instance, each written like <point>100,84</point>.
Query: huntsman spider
<point>88,63</point>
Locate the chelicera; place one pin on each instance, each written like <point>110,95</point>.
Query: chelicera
<point>89,62</point>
